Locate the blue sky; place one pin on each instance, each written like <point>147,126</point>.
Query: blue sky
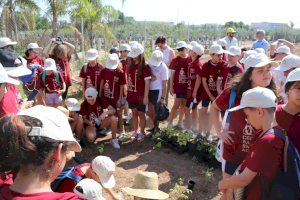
<point>208,11</point>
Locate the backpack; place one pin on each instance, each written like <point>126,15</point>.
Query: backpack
<point>56,73</point>
<point>286,185</point>
<point>67,173</point>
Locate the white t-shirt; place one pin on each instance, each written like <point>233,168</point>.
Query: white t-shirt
<point>230,43</point>
<point>161,73</point>
<point>166,55</point>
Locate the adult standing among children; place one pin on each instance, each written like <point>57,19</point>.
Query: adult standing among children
<point>230,38</point>
<point>261,42</point>
<point>61,53</point>
<point>40,154</point>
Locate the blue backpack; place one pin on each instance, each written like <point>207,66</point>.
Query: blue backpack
<point>67,173</point>
<point>286,185</point>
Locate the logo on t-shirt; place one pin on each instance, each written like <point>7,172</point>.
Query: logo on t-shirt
<point>211,84</point>
<point>131,85</point>
<point>248,132</point>
<point>182,76</point>
<point>107,92</point>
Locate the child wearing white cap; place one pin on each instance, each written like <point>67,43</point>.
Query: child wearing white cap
<point>53,82</point>
<point>97,116</point>
<point>265,157</point>
<point>90,72</point>
<point>178,82</point>
<point>89,189</point>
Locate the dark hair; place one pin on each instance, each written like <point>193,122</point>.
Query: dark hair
<point>161,40</point>
<point>289,85</point>
<point>181,49</point>
<point>27,52</point>
<point>242,83</point>
<point>19,149</point>
<point>141,65</point>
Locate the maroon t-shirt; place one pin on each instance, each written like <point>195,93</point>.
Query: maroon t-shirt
<point>67,185</point>
<point>113,80</point>
<point>180,66</point>
<point>243,132</point>
<point>51,84</point>
<point>7,179</point>
<point>91,75</point>
<point>194,69</point>
<point>91,112</point>
<point>228,73</point>
<point>136,85</point>
<point>293,131</point>
<point>9,103</point>
<point>6,193</point>
<point>63,66</point>
<point>211,71</point>
<point>265,158</point>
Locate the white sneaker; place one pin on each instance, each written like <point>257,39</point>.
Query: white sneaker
<point>106,131</point>
<point>122,136</point>
<point>115,143</point>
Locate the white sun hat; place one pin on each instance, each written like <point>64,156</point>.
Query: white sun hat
<point>5,41</point>
<point>198,49</point>
<point>105,169</point>
<point>125,47</point>
<point>4,78</point>
<point>283,49</point>
<point>234,51</point>
<point>156,58</point>
<point>191,44</point>
<point>89,189</point>
<point>222,42</point>
<point>260,50</point>
<point>258,97</point>
<point>216,49</point>
<point>112,61</point>
<point>72,104</point>
<point>289,62</point>
<point>181,44</point>
<point>32,46</point>
<point>55,125</point>
<point>18,68</point>
<point>136,50</point>
<point>90,93</point>
<point>91,54</point>
<point>256,60</point>
<point>293,76</point>
<point>50,65</point>
<point>246,54</point>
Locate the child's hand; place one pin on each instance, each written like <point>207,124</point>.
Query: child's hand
<point>172,91</point>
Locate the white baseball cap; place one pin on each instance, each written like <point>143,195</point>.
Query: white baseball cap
<point>72,104</point>
<point>91,54</point>
<point>246,54</point>
<point>90,92</point>
<point>198,49</point>
<point>5,41</point>
<point>89,189</point>
<point>33,46</point>
<point>192,43</point>
<point>289,62</point>
<point>258,97</point>
<point>283,49</point>
<point>293,76</point>
<point>156,58</point>
<point>4,78</point>
<point>50,65</point>
<point>181,44</point>
<point>260,50</point>
<point>112,61</point>
<point>234,51</point>
<point>136,50</point>
<point>105,168</point>
<point>216,49</point>
<point>256,60</point>
<point>55,125</point>
<point>19,68</point>
<point>222,42</point>
<point>125,47</point>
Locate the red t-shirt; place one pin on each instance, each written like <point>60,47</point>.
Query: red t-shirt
<point>243,132</point>
<point>293,131</point>
<point>7,179</point>
<point>136,85</point>
<point>36,81</point>
<point>113,79</point>
<point>6,193</point>
<point>283,118</point>
<point>194,69</point>
<point>180,66</point>
<point>124,65</point>
<point>91,75</point>
<point>211,72</point>
<point>265,157</point>
<point>91,112</point>
<point>36,60</point>
<point>51,84</point>
<point>63,66</point>
<point>228,73</point>
<point>67,185</point>
<point>10,103</point>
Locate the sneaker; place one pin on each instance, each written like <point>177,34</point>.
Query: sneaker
<point>106,131</point>
<point>140,137</point>
<point>180,125</point>
<point>122,136</point>
<point>115,143</point>
<point>134,136</point>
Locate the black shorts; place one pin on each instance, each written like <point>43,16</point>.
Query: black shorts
<point>181,96</point>
<point>230,168</point>
<point>191,105</point>
<point>205,103</point>
<point>153,96</point>
<point>139,107</point>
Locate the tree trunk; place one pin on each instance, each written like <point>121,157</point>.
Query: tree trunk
<point>54,21</point>
<point>13,18</point>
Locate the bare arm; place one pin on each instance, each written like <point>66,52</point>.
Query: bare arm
<point>71,48</point>
<point>287,43</point>
<point>101,88</point>
<point>83,85</point>
<point>171,82</point>
<point>164,88</point>
<point>146,91</point>
<point>197,85</point>
<point>215,117</point>
<point>172,55</point>
<point>46,49</point>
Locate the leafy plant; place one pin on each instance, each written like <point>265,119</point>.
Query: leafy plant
<point>100,148</point>
<point>180,190</point>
